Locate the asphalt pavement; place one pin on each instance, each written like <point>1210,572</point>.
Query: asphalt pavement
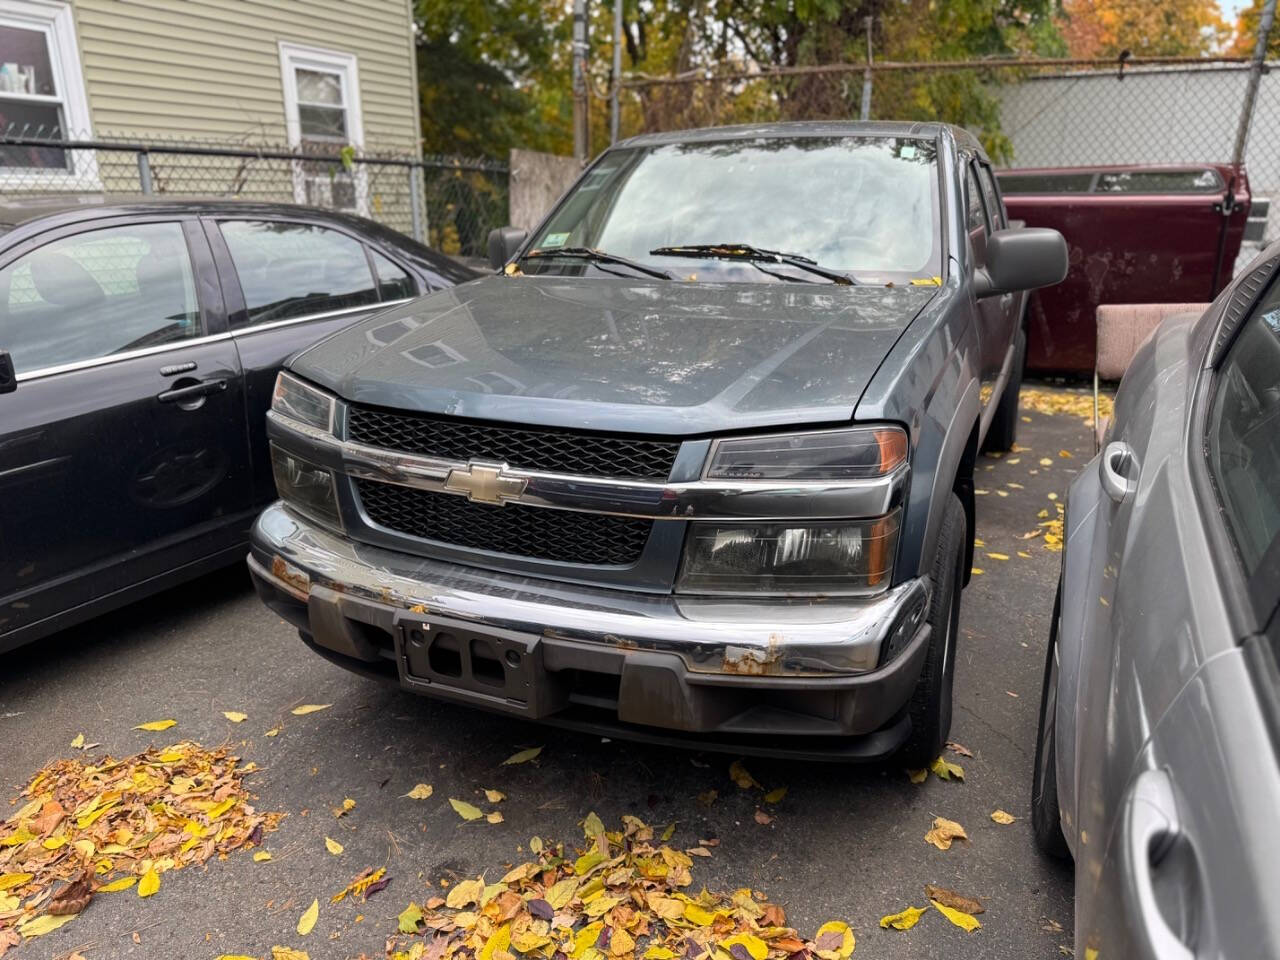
<point>845,843</point>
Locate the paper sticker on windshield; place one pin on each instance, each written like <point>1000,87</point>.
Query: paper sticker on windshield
<point>554,239</point>
<point>907,153</point>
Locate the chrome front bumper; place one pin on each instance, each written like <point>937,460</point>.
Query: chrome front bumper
<point>352,600</point>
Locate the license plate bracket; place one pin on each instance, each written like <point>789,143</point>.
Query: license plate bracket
<point>457,659</point>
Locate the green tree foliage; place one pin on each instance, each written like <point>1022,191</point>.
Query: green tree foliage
<point>492,75</point>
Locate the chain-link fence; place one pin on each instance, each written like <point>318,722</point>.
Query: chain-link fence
<point>1027,112</point>
<point>451,203</point>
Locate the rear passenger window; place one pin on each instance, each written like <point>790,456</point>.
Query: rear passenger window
<point>1244,437</point>
<point>289,270</point>
<point>98,293</point>
<point>394,283</point>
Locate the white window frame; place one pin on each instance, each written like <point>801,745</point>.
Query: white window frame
<point>294,56</point>
<point>54,19</point>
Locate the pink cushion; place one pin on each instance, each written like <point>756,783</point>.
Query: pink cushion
<point>1123,327</point>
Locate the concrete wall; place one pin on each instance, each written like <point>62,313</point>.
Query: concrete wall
<point>537,181</point>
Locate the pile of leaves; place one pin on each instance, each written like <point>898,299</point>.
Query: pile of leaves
<point>115,825</point>
<point>1065,402</point>
<point>622,897</point>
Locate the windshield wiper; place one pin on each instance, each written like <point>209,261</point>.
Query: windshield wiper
<point>598,256</point>
<point>753,255</point>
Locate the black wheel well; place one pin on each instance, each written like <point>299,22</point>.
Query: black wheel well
<point>963,487</point>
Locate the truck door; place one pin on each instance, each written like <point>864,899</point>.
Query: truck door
<point>990,311</point>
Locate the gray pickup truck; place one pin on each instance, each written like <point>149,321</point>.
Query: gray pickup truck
<point>694,465</point>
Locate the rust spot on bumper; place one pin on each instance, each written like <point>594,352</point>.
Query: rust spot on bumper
<point>290,575</point>
<point>754,661</point>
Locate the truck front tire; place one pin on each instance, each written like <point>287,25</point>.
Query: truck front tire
<point>930,707</point>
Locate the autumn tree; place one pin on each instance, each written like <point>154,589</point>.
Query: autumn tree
<point>1246,37</point>
<point>1146,28</point>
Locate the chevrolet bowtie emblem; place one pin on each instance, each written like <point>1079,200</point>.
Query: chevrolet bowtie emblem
<point>484,484</point>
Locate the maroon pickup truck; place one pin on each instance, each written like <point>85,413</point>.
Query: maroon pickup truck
<point>1136,234</point>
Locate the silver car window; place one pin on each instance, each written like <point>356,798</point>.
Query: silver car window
<point>1244,434</point>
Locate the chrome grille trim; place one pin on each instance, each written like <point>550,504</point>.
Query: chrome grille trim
<point>655,500</point>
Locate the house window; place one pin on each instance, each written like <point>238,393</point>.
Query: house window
<point>322,116</point>
<point>42,96</point>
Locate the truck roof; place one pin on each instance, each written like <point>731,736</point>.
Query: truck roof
<point>809,128</point>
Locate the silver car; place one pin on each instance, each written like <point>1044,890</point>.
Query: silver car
<point>1156,764</point>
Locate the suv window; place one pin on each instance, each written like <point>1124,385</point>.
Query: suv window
<point>97,293</point>
<point>393,282</point>
<point>1244,437</point>
<point>290,270</point>
<point>994,208</point>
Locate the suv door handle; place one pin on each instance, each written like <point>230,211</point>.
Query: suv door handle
<point>192,392</point>
<point>1149,827</point>
<point>1118,470</point>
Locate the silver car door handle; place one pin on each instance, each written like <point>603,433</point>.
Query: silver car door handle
<point>1118,470</point>
<point>1149,828</point>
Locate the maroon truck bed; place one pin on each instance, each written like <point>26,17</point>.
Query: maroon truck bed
<point>1136,234</point>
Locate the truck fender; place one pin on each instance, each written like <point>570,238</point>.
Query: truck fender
<point>958,441</point>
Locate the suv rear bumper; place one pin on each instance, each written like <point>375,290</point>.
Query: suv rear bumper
<point>794,678</point>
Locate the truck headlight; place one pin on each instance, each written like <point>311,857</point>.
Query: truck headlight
<point>302,402</point>
<point>791,558</point>
<point>855,453</point>
<point>308,488</point>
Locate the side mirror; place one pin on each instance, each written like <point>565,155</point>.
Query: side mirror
<point>503,244</point>
<point>8,377</point>
<point>1022,260</point>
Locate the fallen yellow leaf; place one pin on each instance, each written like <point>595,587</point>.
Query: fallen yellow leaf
<point>149,884</point>
<point>961,919</point>
<point>288,953</point>
<point>273,732</point>
<point>918,776</point>
<point>306,708</point>
<point>834,941</point>
<point>756,947</point>
<point>999,816</point>
<point>235,716</point>
<point>115,886</point>
<point>943,832</point>
<point>333,846</point>
<point>775,796</point>
<point>45,923</point>
<point>10,880</point>
<point>495,796</point>
<point>905,920</point>
<point>739,775</point>
<point>977,571</point>
<point>466,810</point>
<point>493,817</point>
<point>524,756</point>
<point>421,792</point>
<point>409,918</point>
<point>1065,454</point>
<point>997,556</point>
<point>157,725</point>
<point>78,742</point>
<point>262,856</point>
<point>308,919</point>
<point>944,769</point>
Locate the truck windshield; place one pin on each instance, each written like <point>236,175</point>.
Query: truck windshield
<point>864,206</point>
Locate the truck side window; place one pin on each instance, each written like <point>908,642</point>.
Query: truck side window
<point>976,219</point>
<point>995,209</point>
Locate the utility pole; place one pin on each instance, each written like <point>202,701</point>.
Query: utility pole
<point>581,131</point>
<point>617,71</point>
<point>1255,75</point>
<point>866,74</point>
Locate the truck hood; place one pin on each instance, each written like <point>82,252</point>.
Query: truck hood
<point>673,359</point>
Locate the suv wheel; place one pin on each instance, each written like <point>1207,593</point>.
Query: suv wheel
<point>1046,815</point>
<point>1003,432</point>
<point>930,707</point>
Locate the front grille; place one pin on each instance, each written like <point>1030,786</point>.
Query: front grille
<point>539,533</point>
<point>553,451</point>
